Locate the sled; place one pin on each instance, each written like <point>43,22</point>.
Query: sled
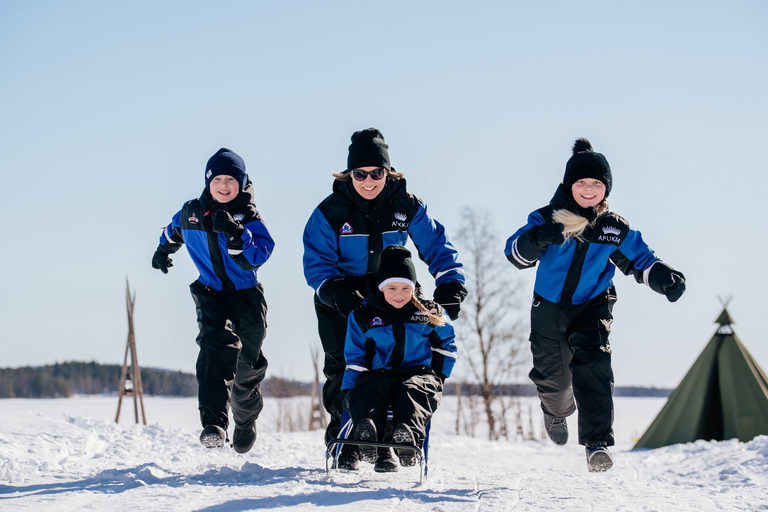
<point>333,448</point>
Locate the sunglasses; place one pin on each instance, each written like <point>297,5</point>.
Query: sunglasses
<point>376,174</point>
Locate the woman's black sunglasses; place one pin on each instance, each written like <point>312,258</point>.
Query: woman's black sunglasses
<point>376,174</point>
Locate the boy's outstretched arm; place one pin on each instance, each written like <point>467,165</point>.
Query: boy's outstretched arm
<point>170,242</point>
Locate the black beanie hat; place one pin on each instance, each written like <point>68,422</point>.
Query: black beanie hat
<point>586,163</point>
<point>368,149</point>
<point>225,161</point>
<point>396,265</point>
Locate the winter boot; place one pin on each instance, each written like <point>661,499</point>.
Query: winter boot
<point>598,457</point>
<point>213,436</point>
<point>385,463</point>
<point>402,434</point>
<point>244,437</point>
<point>557,429</point>
<point>348,458</point>
<point>366,431</point>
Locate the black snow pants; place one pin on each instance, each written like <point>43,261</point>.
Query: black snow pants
<point>230,365</point>
<point>572,360</point>
<point>414,398</point>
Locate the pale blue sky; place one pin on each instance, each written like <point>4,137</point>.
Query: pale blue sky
<point>110,110</point>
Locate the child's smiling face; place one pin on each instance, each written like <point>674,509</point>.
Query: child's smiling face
<point>397,294</point>
<point>588,192</point>
<point>224,188</point>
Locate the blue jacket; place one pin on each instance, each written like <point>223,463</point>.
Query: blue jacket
<point>579,270</point>
<point>223,264</point>
<point>381,337</point>
<point>345,235</point>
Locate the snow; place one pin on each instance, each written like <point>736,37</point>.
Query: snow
<point>69,454</point>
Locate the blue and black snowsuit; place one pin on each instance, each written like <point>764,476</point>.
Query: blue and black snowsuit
<point>572,308</point>
<point>343,240</point>
<point>398,358</point>
<point>231,309</point>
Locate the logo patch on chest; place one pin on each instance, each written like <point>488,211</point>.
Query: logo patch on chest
<point>239,217</point>
<point>401,220</point>
<point>610,235</point>
<point>376,322</point>
<point>346,229</point>
<point>193,219</point>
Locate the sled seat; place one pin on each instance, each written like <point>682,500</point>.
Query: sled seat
<point>333,448</point>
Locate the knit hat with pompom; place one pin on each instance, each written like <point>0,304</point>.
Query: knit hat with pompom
<point>587,163</point>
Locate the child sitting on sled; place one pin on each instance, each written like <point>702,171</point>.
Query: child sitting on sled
<point>398,350</point>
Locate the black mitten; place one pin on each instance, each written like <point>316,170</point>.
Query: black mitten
<point>450,295</point>
<point>342,295</point>
<point>550,233</point>
<point>161,259</point>
<point>224,223</point>
<point>667,281</point>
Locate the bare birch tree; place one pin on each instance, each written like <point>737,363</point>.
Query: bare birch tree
<point>492,337</point>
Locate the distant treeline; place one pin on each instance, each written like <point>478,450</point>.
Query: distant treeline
<point>530,390</point>
<point>62,380</point>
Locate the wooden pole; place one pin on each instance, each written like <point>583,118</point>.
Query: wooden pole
<point>134,376</point>
<point>317,417</point>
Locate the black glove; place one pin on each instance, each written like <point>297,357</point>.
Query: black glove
<point>550,233</point>
<point>224,223</point>
<point>161,260</point>
<point>342,295</point>
<point>345,399</point>
<point>450,295</point>
<point>667,281</point>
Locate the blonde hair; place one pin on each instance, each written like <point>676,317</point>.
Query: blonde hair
<point>437,320</point>
<point>392,175</point>
<point>574,223</point>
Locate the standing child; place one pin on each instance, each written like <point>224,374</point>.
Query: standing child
<point>227,240</point>
<point>579,244</point>
<point>399,351</point>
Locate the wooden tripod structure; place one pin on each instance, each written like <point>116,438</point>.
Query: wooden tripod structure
<point>317,413</point>
<point>130,380</point>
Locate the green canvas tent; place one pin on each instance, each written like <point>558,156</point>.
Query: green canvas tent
<point>723,396</point>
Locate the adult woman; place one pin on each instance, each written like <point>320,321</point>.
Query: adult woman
<point>368,210</point>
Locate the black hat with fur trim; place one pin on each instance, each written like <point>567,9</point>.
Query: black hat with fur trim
<point>368,149</point>
<point>396,266</point>
<point>587,163</point>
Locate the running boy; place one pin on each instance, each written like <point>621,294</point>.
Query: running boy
<point>227,240</point>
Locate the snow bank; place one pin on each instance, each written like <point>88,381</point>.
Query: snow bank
<point>50,454</point>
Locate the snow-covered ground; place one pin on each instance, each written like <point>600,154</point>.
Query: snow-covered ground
<point>70,455</point>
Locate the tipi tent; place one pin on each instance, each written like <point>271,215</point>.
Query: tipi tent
<point>723,396</point>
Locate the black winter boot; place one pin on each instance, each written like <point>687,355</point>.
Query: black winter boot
<point>385,463</point>
<point>402,434</point>
<point>244,437</point>
<point>348,458</point>
<point>598,457</point>
<point>213,436</point>
<point>366,431</point>
<point>557,429</point>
